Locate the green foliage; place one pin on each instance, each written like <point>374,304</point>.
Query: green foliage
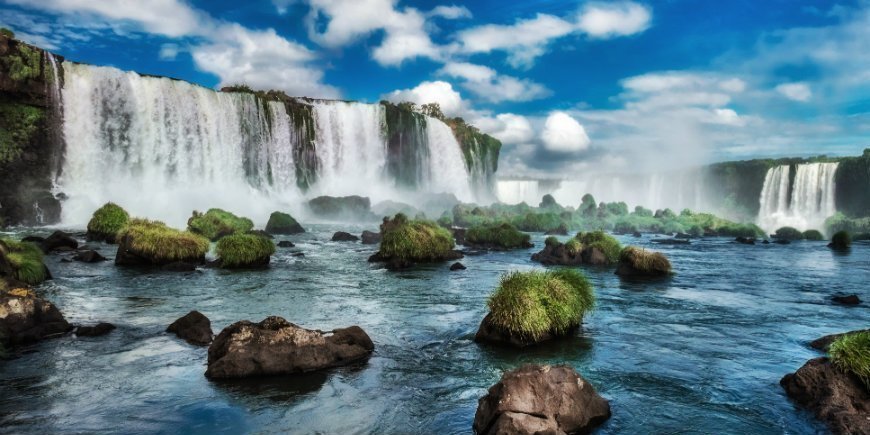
<point>25,259</point>
<point>244,249</point>
<point>815,235</point>
<point>108,220</point>
<point>445,221</point>
<point>548,202</point>
<point>645,261</point>
<point>283,223</point>
<point>540,222</point>
<point>7,33</point>
<point>433,110</point>
<point>788,233</point>
<point>602,241</point>
<point>573,247</point>
<point>851,353</point>
<point>22,63</point>
<point>840,222</point>
<point>588,206</point>
<point>19,123</point>
<point>217,223</point>
<point>414,240</point>
<point>531,304</point>
<point>504,236</point>
<point>739,230</point>
<point>552,241</point>
<point>161,244</point>
<point>242,88</point>
<point>841,240</point>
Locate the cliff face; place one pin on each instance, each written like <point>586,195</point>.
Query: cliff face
<point>30,133</point>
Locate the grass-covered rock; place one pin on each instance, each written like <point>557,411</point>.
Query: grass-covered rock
<point>405,242</point>
<point>244,250</point>
<point>217,223</point>
<point>595,248</point>
<point>788,233</point>
<point>283,223</point>
<point>606,244</point>
<point>530,307</point>
<point>106,222</point>
<point>22,261</point>
<point>638,262</point>
<point>497,236</point>
<point>851,353</point>
<point>143,243</point>
<point>814,235</point>
<point>841,240</point>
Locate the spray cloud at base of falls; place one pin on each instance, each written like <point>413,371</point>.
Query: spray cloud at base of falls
<point>804,203</point>
<point>162,148</point>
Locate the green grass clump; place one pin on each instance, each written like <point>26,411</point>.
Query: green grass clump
<point>283,223</point>
<point>25,260</point>
<point>414,240</point>
<point>107,221</point>
<point>504,235</point>
<point>7,33</point>
<point>552,241</point>
<point>217,223</point>
<point>851,353</point>
<point>841,240</point>
<point>788,233</point>
<point>814,235</point>
<point>241,249</point>
<point>648,262</point>
<point>573,247</point>
<point>161,244</point>
<point>602,241</point>
<point>531,304</point>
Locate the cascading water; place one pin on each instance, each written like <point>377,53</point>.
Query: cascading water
<point>805,204</point>
<point>446,169</point>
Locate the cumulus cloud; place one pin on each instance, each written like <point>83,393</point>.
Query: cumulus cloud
<point>509,128</point>
<point>487,84</point>
<point>564,134</point>
<point>450,12</point>
<point>608,20</point>
<point>427,92</point>
<point>795,91</point>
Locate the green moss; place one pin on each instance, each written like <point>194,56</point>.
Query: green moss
<point>7,33</point>
<point>243,250</point>
<point>504,236</point>
<point>414,240</point>
<point>841,240</point>
<point>531,304</point>
<point>851,353</point>
<point>19,123</point>
<point>161,244</point>
<point>573,247</point>
<point>107,221</point>
<point>283,223</point>
<point>815,235</point>
<point>647,262</point>
<point>25,259</point>
<point>788,233</point>
<point>552,241</point>
<point>217,223</point>
<point>602,241</point>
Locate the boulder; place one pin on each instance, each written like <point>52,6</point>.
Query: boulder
<point>561,231</point>
<point>457,266</point>
<point>278,347</point>
<point>59,241</point>
<point>846,300</point>
<point>639,263</point>
<point>825,342</point>
<point>594,256</point>
<point>558,255</point>
<point>97,330</point>
<point>782,241</point>
<point>89,257</point>
<point>26,318</point>
<point>342,236</point>
<point>347,207</point>
<point>745,240</point>
<point>283,223</point>
<point>298,254</point>
<point>536,399</point>
<point>636,234</point>
<point>286,244</point>
<point>459,235</point>
<point>193,327</point>
<point>491,334</point>
<point>370,238</point>
<point>836,397</point>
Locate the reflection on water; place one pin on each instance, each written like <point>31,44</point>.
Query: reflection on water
<point>701,352</point>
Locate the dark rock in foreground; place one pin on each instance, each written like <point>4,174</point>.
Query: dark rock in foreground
<point>537,399</point>
<point>26,318</point>
<point>370,238</point>
<point>457,266</point>
<point>342,236</point>
<point>59,241</point>
<point>278,347</point>
<point>194,327</point>
<point>89,257</point>
<point>97,330</point>
<point>836,397</point>
<point>846,300</point>
<point>286,244</point>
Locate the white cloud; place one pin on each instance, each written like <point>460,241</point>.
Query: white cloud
<point>562,133</point>
<point>282,6</point>
<point>450,12</point>
<point>799,91</point>
<point>431,92</point>
<point>487,84</point>
<point>509,128</point>
<point>168,51</point>
<point>608,20</point>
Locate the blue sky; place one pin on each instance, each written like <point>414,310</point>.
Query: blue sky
<point>567,85</point>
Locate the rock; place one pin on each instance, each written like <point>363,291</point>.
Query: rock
<point>286,244</point>
<point>640,263</point>
<point>846,300</point>
<point>193,327</point>
<point>637,234</point>
<point>283,223</point>
<point>457,266</point>
<point>683,236</point>
<point>348,207</point>
<point>59,241</point>
<point>261,233</point>
<point>178,266</point>
<point>34,239</point>
<point>824,343</point>
<point>836,397</point>
<point>561,231</point>
<point>459,235</point>
<point>97,330</point>
<point>26,318</point>
<point>370,238</point>
<point>766,242</point>
<point>342,236</point>
<point>782,241</point>
<point>489,333</point>
<point>278,347</point>
<point>89,257</point>
<point>745,240</point>
<point>298,254</point>
<point>558,255</point>
<point>594,256</point>
<point>536,399</point>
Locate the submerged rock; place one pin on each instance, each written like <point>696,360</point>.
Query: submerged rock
<point>457,266</point>
<point>836,397</point>
<point>26,318</point>
<point>370,238</point>
<point>278,347</point>
<point>89,257</point>
<point>342,236</point>
<point>97,330</point>
<point>286,244</point>
<point>59,241</point>
<point>745,240</point>
<point>194,327</point>
<point>846,300</point>
<point>536,399</point>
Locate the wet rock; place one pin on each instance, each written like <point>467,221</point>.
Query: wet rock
<point>846,300</point>
<point>594,257</point>
<point>178,266</point>
<point>26,318</point>
<point>489,333</point>
<point>537,399</point>
<point>561,231</point>
<point>97,330</point>
<point>457,266</point>
<point>459,235</point>
<point>89,257</point>
<point>342,236</point>
<point>298,254</point>
<point>637,234</point>
<point>344,208</point>
<point>824,343</point>
<point>640,263</point>
<point>370,238</point>
<point>34,239</point>
<point>836,397</point>
<point>745,240</point>
<point>558,255</point>
<point>765,242</point>
<point>194,327</point>
<point>59,241</point>
<point>683,236</point>
<point>278,347</point>
<point>286,244</point>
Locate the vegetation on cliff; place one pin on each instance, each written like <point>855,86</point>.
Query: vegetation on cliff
<point>19,123</point>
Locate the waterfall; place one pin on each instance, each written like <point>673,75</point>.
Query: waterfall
<point>55,117</point>
<point>517,191</point>
<point>805,204</point>
<point>446,172</point>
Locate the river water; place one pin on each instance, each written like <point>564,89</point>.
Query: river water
<point>702,352</point>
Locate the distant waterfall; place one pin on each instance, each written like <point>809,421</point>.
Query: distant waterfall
<point>446,169</point>
<point>803,204</point>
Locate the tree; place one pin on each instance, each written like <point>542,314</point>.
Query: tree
<point>588,207</point>
<point>433,110</point>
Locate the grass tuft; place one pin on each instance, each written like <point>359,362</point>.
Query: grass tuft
<point>644,261</point>
<point>217,223</point>
<point>851,353</point>
<point>25,260</point>
<point>107,221</point>
<point>504,236</point>
<point>241,250</point>
<point>414,240</point>
<point>283,223</point>
<point>531,304</point>
<point>788,233</point>
<point>602,241</point>
<point>160,243</point>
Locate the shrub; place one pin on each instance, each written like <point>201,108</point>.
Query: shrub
<point>741,230</point>
<point>445,221</point>
<point>243,249</point>
<point>283,223</point>
<point>645,262</point>
<point>107,221</point>
<point>504,235</point>
<point>552,241</point>
<point>161,244</point>
<point>695,231</point>
<point>815,235</point>
<point>851,353</point>
<point>602,241</point>
<point>25,260</point>
<point>841,240</point>
<point>217,223</point>
<point>414,240</point>
<point>538,222</point>
<point>573,247</point>
<point>532,304</point>
<point>788,233</point>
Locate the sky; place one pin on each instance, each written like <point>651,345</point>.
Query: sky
<point>567,86</point>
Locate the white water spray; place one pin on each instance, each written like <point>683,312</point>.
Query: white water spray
<point>446,171</point>
<point>810,202</point>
